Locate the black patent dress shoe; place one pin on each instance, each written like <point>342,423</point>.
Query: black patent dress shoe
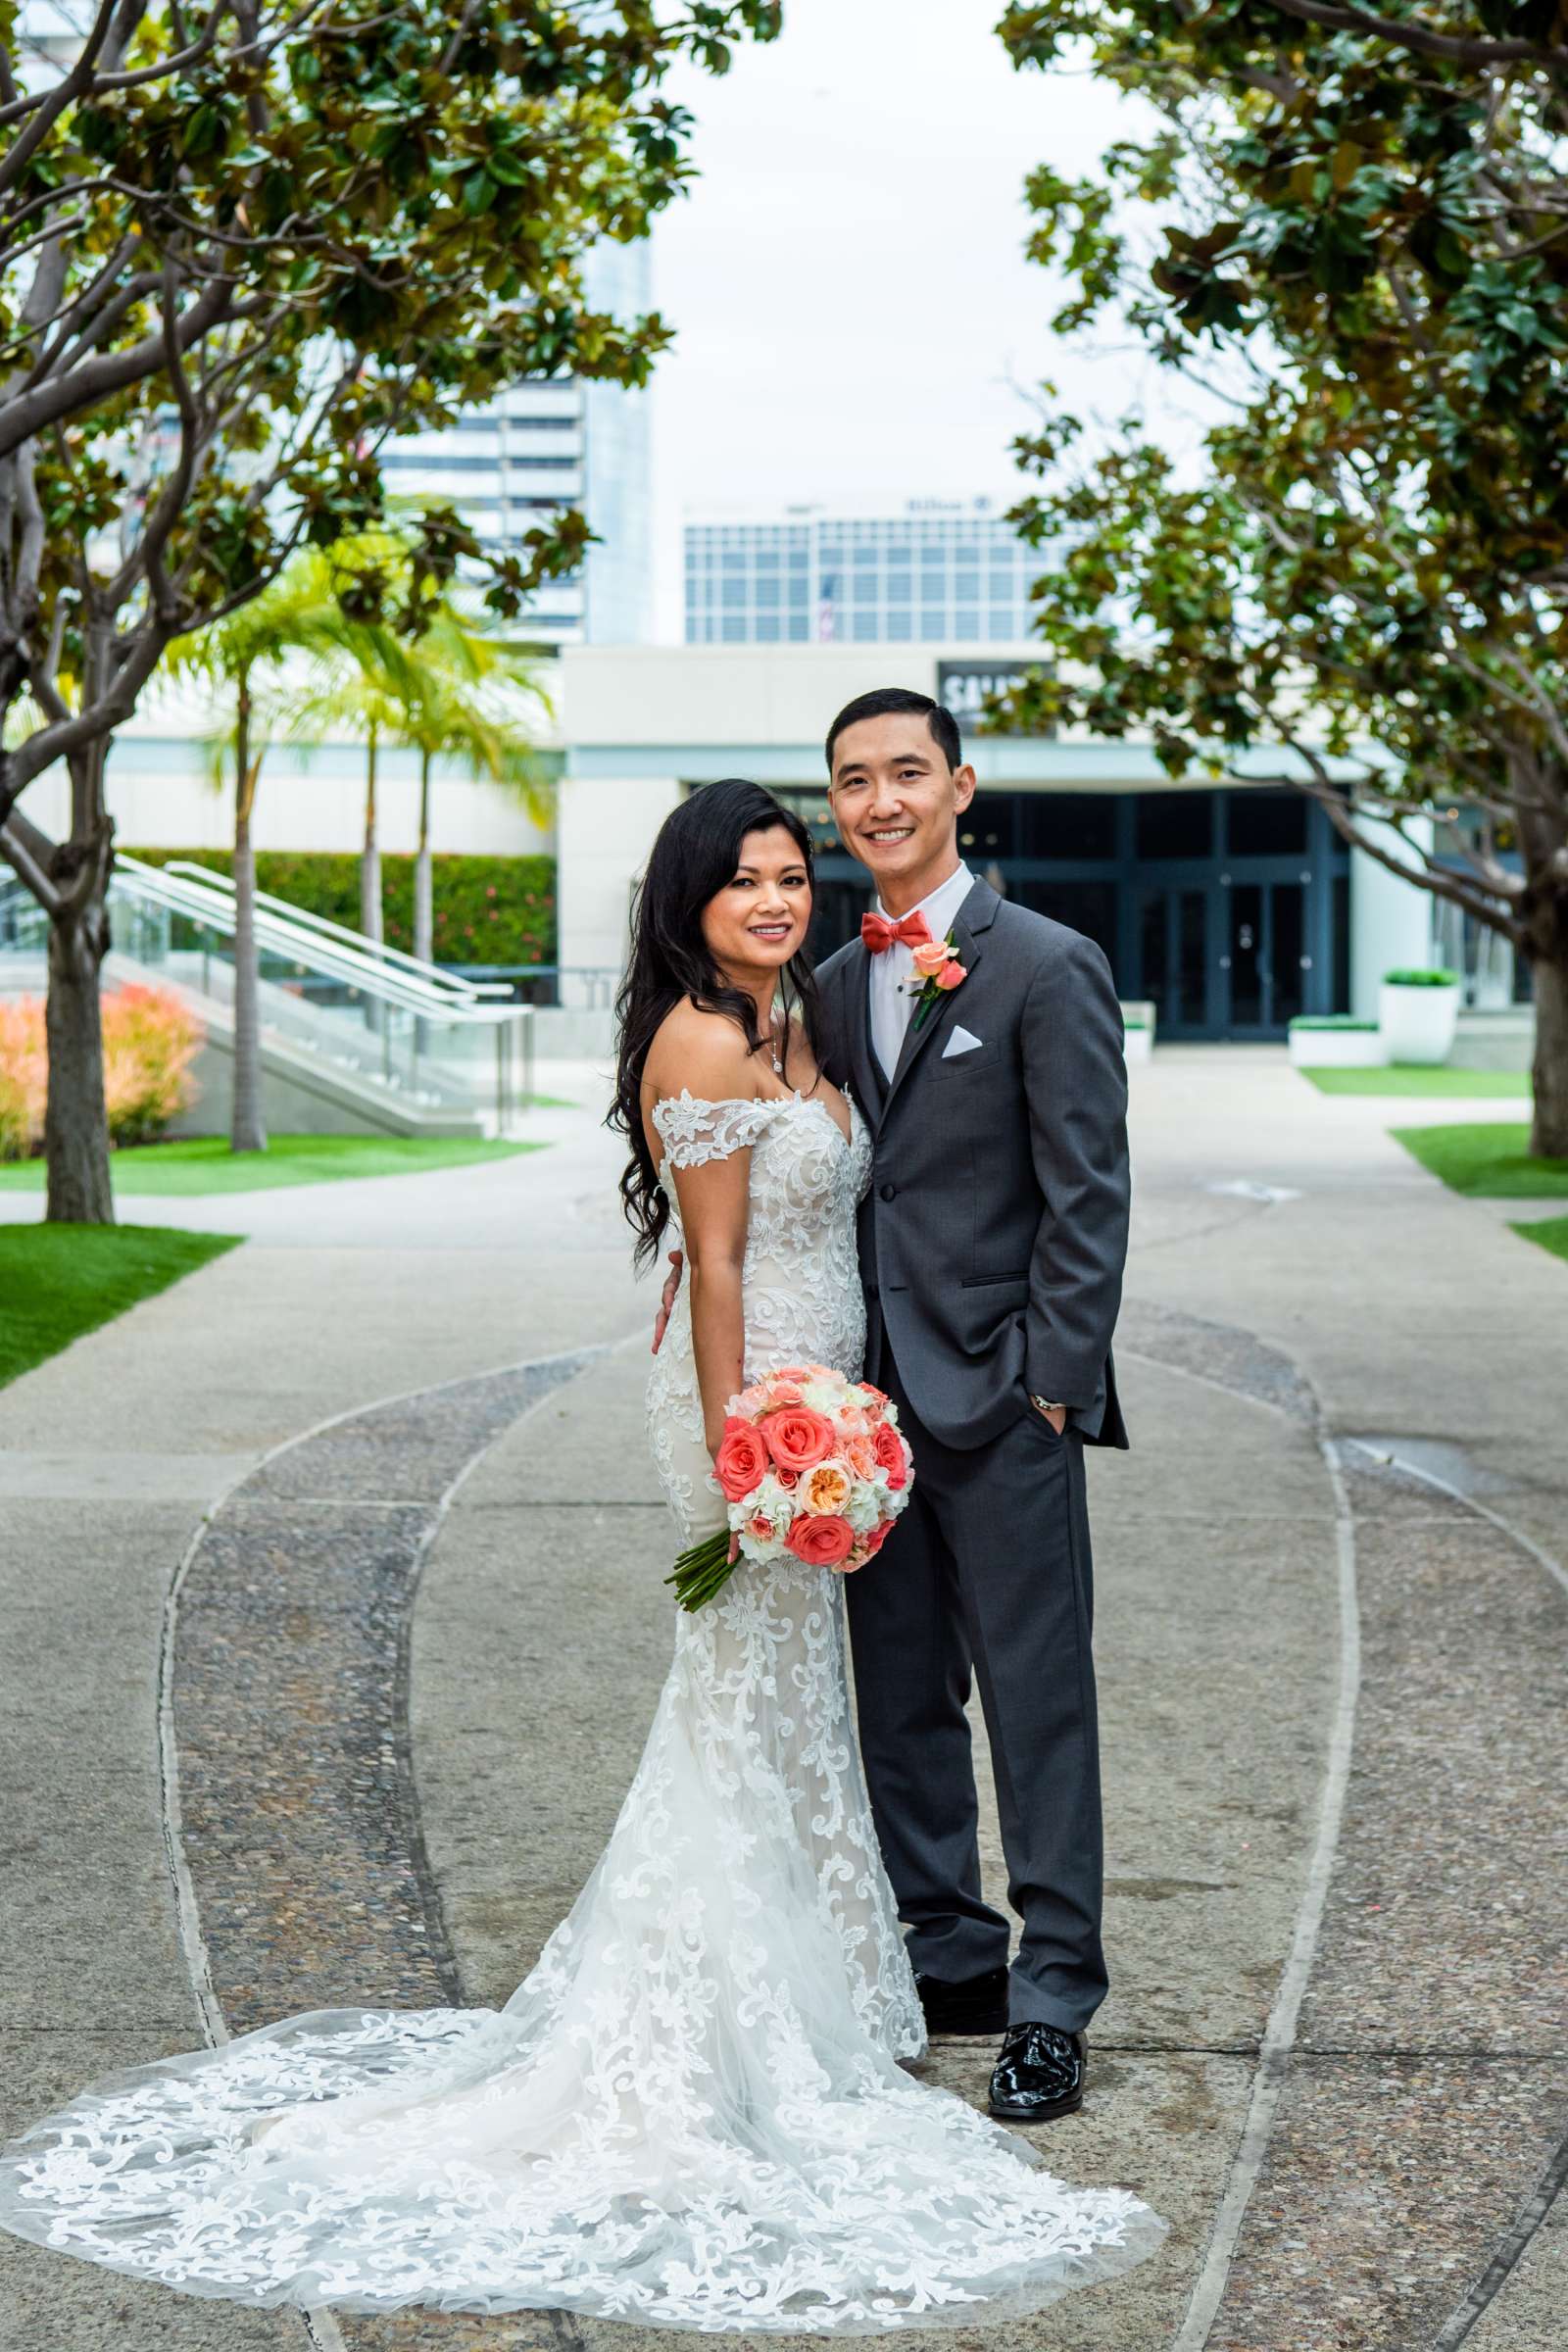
<point>1040,2075</point>
<point>977,2005</point>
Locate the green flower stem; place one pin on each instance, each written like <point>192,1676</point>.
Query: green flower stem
<point>703,1570</point>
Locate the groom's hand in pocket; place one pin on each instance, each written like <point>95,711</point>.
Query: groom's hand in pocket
<point>667,1304</point>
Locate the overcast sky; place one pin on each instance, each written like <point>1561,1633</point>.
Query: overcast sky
<point>855,319</point>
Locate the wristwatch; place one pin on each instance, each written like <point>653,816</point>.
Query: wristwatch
<point>1043,1404</point>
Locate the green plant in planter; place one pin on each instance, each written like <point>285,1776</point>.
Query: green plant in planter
<point>1435,977</point>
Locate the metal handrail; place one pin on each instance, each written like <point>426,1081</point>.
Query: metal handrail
<point>416,994</point>
<point>304,917</point>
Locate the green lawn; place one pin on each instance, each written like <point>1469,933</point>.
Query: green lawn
<point>1408,1078</point>
<point>1551,1233</point>
<point>1491,1163</point>
<point>58,1281</point>
<point>206,1164</point>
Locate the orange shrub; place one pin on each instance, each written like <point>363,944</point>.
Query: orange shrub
<point>150,1041</point>
<point>24,1078</point>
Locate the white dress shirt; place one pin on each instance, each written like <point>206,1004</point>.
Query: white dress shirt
<point>891,1002</point>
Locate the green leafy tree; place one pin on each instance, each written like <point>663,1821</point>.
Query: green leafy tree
<point>454,691</point>
<point>243,662</point>
<point>239,248</point>
<point>1352,225</point>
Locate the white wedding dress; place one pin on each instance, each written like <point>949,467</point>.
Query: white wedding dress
<point>692,2114</point>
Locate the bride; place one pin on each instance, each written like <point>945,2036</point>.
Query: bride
<point>695,2112</point>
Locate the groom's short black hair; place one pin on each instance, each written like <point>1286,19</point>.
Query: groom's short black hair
<point>882,702</point>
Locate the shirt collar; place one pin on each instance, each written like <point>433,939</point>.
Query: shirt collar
<point>943,902</point>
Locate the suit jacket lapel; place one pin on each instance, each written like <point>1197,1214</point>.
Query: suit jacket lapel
<point>870,1086</point>
<point>975,915</point>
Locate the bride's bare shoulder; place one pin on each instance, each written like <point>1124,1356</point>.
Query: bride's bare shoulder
<point>700,1053</point>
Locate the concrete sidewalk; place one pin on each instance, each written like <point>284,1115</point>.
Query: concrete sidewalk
<point>1335,2055</point>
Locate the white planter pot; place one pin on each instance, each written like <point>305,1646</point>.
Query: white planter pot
<point>1417,1024</point>
<point>1138,1045</point>
<point>1315,1048</point>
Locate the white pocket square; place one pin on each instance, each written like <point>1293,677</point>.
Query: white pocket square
<point>960,1041</point>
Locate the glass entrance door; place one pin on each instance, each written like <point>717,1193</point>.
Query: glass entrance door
<point>1265,966</point>
<point>1175,959</point>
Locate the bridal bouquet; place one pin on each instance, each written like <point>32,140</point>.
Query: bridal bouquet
<point>810,1464</point>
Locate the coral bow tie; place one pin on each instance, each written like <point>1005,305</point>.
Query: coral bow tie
<point>880,934</point>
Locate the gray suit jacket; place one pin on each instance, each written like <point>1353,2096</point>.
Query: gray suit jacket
<point>995,1232</point>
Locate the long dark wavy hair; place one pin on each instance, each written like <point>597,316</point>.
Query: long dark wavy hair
<point>696,855</point>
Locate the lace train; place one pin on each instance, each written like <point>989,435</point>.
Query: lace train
<point>692,2112</point>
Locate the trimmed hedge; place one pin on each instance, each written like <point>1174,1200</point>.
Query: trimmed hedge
<point>486,909</point>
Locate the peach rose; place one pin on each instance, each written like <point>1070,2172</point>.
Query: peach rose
<point>789,1480</point>
<point>741,1462</point>
<point>783,1392</point>
<point>822,1542</point>
<point>891,1455</point>
<point>760,1525</point>
<point>860,1454</point>
<point>930,956</point>
<point>949,975</point>
<point>797,1438</point>
<point>825,1489</point>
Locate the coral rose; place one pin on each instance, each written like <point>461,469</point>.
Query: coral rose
<point>879,1537</point>
<point>891,1455</point>
<point>825,1489</point>
<point>822,1542</point>
<point>949,975</point>
<point>741,1462</point>
<point>797,1438</point>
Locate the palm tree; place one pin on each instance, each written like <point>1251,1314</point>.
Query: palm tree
<point>466,708</point>
<point>449,693</point>
<point>243,657</point>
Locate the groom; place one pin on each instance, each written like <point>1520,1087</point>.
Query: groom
<point>992,1244</point>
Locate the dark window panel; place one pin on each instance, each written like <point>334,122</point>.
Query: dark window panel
<point>1266,824</point>
<point>1175,824</point>
<point>1067,824</point>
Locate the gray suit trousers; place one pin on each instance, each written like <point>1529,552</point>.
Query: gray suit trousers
<point>987,1573</point>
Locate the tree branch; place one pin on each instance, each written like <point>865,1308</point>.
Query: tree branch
<point>28,853</point>
<point>1405,33</point>
<point>91,383</point>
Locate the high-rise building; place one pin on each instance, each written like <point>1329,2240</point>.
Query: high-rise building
<point>937,572</point>
<point>542,446</point>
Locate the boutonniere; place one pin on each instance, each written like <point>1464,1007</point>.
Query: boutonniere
<point>938,972</point>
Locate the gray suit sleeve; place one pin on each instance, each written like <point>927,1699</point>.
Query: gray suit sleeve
<point>1075,1080</point>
